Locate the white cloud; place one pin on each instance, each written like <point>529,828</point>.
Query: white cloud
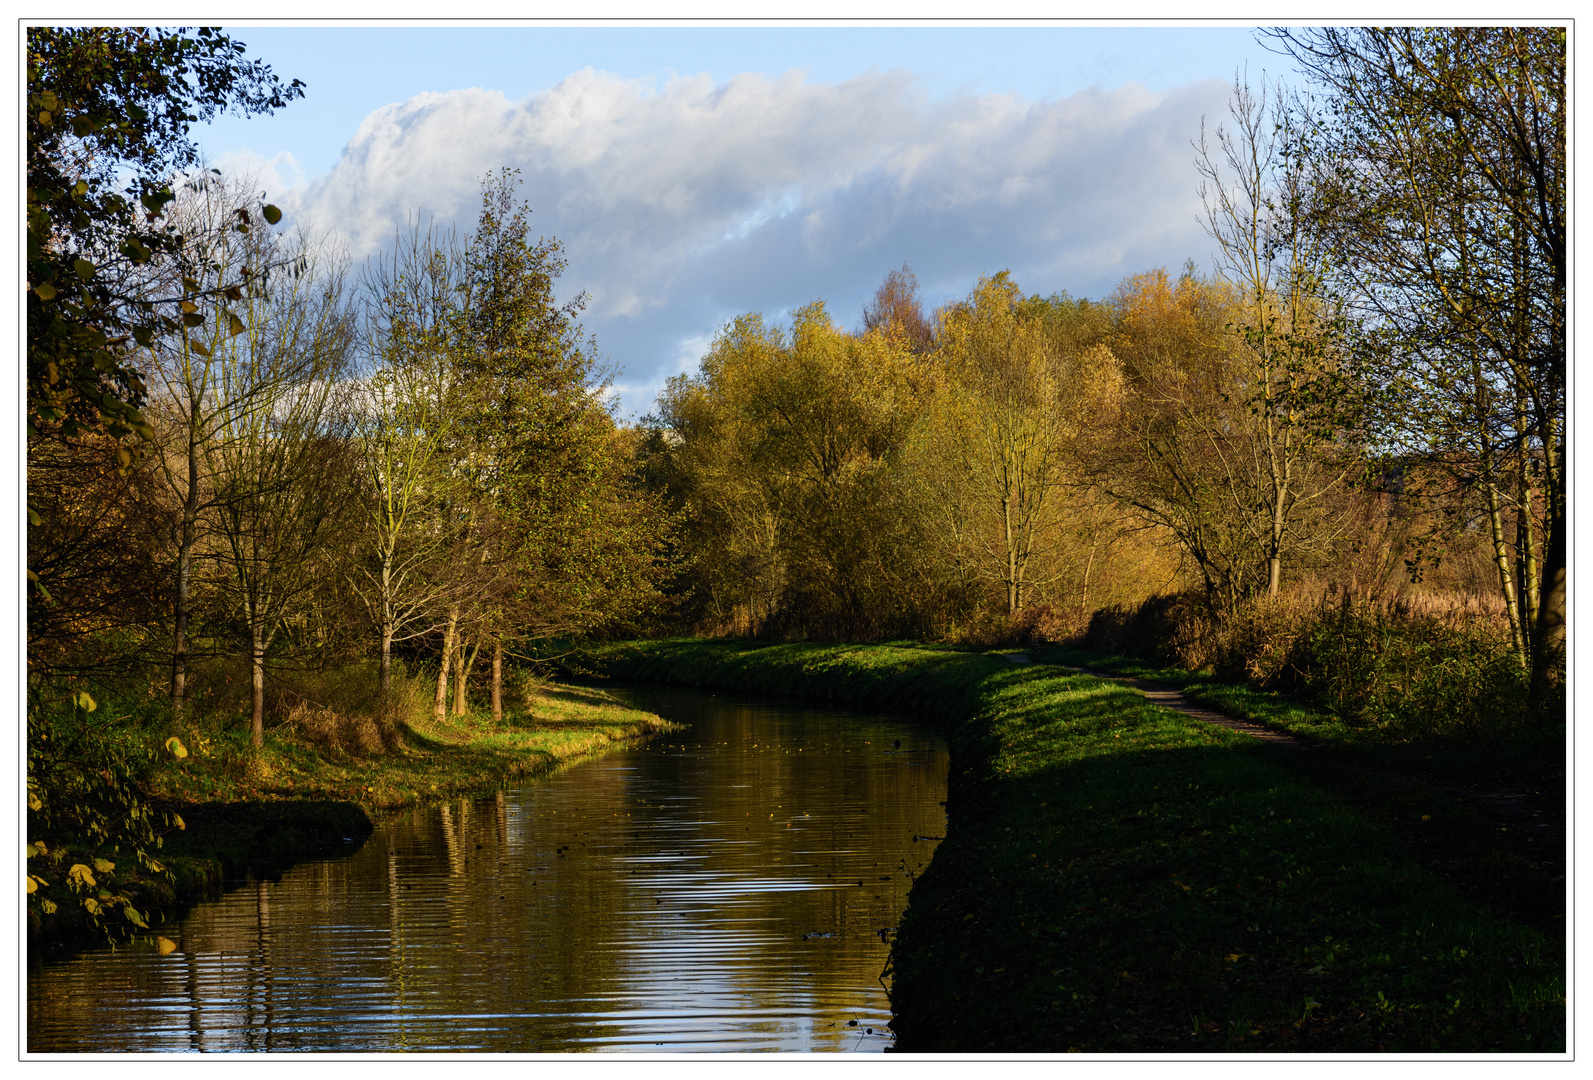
<point>683,206</point>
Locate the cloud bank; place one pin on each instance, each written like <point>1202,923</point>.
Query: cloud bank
<point>680,207</point>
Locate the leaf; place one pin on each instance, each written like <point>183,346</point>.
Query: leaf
<point>84,702</point>
<point>33,517</point>
<point>166,946</point>
<point>135,917</point>
<point>104,866</point>
<point>45,118</point>
<point>271,214</point>
<point>37,848</point>
<point>175,745</point>
<point>33,884</point>
<point>45,290</point>
<point>235,325</point>
<point>188,306</point>
<point>92,905</point>
<point>80,876</point>
<point>47,906</point>
<point>176,819</point>
<point>84,268</point>
<point>199,347</point>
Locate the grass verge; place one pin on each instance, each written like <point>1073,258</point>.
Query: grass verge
<point>1117,877</point>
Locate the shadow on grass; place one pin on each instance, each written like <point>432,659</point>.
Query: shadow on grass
<point>1143,894</point>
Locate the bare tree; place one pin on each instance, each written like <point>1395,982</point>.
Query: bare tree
<point>1288,373</point>
<point>281,464</point>
<point>406,406</point>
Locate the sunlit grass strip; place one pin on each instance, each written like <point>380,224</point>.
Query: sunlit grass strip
<point>451,756</point>
<point>1118,877</point>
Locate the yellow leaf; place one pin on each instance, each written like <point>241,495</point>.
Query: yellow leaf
<point>92,904</point>
<point>135,917</point>
<point>33,884</point>
<point>104,866</point>
<point>165,945</point>
<point>81,876</point>
<point>178,821</point>
<point>175,745</point>
<point>86,703</point>
<point>47,906</point>
<point>37,848</point>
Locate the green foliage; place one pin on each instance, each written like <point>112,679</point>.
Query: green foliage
<point>103,102</point>
<point>86,772</point>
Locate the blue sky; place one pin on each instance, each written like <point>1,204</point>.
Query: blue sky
<point>696,173</point>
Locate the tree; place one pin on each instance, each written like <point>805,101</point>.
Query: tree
<point>280,459</point>
<point>408,404</point>
<point>784,454</point>
<point>104,103</point>
<point>1010,407</point>
<point>1440,191</point>
<point>198,400</point>
<point>896,308</point>
<point>1180,440</point>
<point>1288,368</point>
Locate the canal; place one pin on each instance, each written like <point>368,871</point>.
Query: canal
<point>728,887</point>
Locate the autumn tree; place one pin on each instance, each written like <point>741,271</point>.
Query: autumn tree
<point>1009,407</point>
<point>785,449</point>
<point>896,308</point>
<point>1439,157</point>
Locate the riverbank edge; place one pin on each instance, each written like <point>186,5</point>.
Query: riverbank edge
<point>224,842</point>
<point>941,1006</point>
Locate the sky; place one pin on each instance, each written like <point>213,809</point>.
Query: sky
<point>693,174</point>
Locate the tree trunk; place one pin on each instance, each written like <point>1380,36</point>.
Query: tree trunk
<point>1548,638</point>
<point>463,657</point>
<point>1507,574</point>
<point>439,707</point>
<point>497,680</point>
<point>185,561</point>
<point>257,686</point>
<point>387,627</point>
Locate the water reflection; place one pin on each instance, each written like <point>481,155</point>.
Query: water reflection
<point>724,888</point>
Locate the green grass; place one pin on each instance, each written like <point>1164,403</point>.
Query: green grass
<point>1535,754</point>
<point>1117,877</point>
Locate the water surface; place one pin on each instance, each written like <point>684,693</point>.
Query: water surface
<point>728,887</point>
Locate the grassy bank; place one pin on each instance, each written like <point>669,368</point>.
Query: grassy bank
<point>312,790</point>
<point>1117,877</point>
<point>1524,752</point>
